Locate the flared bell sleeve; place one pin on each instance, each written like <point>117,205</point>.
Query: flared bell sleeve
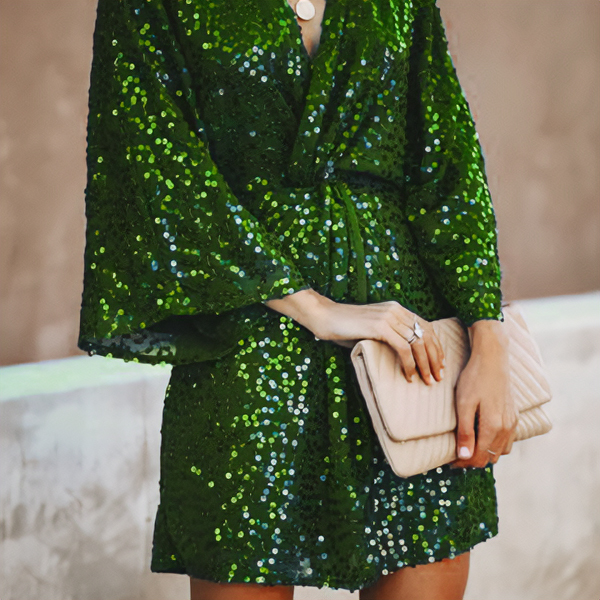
<point>448,202</point>
<point>165,237</point>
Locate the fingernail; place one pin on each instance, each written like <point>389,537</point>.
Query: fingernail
<point>444,361</point>
<point>442,373</point>
<point>464,452</point>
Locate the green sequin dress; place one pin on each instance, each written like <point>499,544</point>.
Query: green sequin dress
<point>227,167</point>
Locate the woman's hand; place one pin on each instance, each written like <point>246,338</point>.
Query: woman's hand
<point>389,322</point>
<point>482,389</point>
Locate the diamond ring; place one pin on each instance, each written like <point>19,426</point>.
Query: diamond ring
<point>417,333</point>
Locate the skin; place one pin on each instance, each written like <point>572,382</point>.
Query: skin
<point>482,389</point>
<point>311,30</point>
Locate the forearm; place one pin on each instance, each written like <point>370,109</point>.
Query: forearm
<point>303,306</point>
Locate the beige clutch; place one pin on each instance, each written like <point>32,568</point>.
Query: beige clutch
<point>416,423</point>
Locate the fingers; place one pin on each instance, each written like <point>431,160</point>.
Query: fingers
<point>407,360</point>
<point>394,333</point>
<point>490,443</point>
<point>435,353</point>
<point>506,435</point>
<point>441,354</point>
<point>511,440</point>
<point>426,352</point>
<point>395,326</point>
<point>465,434</point>
<point>421,354</point>
<point>513,434</point>
<point>417,355</point>
<point>429,361</point>
<point>494,438</point>
<point>398,342</point>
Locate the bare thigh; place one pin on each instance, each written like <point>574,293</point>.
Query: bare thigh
<point>201,589</point>
<point>443,580</point>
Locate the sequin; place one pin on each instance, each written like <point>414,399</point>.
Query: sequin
<point>227,167</point>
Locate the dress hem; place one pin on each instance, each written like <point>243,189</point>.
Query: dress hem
<point>331,584</point>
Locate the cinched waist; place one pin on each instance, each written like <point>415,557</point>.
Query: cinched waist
<point>362,179</point>
<point>343,189</point>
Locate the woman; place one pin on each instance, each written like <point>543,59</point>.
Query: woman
<point>262,192</point>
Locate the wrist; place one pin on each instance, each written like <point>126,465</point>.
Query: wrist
<point>303,306</point>
<point>487,334</point>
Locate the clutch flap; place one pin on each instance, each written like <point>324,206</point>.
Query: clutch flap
<point>412,410</point>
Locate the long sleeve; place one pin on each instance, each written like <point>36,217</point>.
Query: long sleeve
<point>448,201</point>
<point>165,234</point>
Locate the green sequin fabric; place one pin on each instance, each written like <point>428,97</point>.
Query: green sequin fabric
<point>228,167</point>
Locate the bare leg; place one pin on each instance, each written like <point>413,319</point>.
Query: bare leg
<point>201,589</point>
<point>443,580</point>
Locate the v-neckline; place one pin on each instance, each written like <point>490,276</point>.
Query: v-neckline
<point>311,59</point>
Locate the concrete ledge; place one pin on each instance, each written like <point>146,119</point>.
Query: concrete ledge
<point>79,459</point>
<point>52,377</point>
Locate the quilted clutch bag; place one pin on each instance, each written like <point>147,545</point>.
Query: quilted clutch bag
<point>415,422</point>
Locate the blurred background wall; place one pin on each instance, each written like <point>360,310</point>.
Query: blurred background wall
<point>79,436</point>
<point>531,72</point>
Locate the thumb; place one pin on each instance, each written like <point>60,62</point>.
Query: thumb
<point>465,434</point>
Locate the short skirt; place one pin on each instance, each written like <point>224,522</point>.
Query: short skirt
<point>271,473</point>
